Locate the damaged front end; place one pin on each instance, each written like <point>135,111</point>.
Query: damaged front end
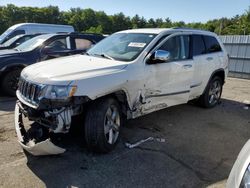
<point>34,139</point>
<point>46,116</point>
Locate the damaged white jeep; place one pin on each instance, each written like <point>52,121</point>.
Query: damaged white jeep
<point>129,74</point>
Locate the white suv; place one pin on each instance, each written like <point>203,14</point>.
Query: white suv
<point>129,74</point>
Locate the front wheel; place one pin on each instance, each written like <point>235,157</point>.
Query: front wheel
<point>102,125</point>
<point>212,94</point>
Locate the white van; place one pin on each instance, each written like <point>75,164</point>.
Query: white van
<point>32,28</point>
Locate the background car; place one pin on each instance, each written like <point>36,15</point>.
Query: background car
<point>40,48</point>
<point>32,28</point>
<point>239,176</point>
<point>17,40</point>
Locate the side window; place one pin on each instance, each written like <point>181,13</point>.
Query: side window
<point>83,43</point>
<point>178,47</point>
<point>198,45</point>
<point>15,33</point>
<point>58,45</point>
<point>212,44</point>
<point>22,40</point>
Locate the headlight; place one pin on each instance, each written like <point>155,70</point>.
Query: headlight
<point>57,92</point>
<point>245,183</point>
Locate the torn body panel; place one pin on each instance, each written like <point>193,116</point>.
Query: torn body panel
<point>29,143</point>
<point>143,105</point>
<point>42,148</point>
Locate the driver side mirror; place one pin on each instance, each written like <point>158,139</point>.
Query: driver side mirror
<point>159,56</point>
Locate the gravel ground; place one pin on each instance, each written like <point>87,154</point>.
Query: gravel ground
<point>200,148</point>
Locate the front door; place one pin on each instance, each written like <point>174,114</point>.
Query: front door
<point>168,83</point>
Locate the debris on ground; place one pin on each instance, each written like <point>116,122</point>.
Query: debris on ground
<point>130,146</point>
<point>246,104</point>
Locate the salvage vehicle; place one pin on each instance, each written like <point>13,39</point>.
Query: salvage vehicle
<point>129,74</point>
<point>40,48</point>
<point>239,176</point>
<point>33,28</point>
<point>17,40</point>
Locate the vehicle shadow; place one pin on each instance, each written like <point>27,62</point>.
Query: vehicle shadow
<point>200,148</point>
<point>7,104</point>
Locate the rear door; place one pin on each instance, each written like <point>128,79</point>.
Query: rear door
<point>206,52</point>
<point>168,83</point>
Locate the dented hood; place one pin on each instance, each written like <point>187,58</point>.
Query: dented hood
<point>70,68</point>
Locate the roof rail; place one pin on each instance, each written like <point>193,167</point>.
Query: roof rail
<point>78,33</point>
<point>188,28</point>
<point>62,32</point>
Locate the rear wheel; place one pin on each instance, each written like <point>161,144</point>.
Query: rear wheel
<point>102,125</point>
<point>10,82</point>
<point>212,94</point>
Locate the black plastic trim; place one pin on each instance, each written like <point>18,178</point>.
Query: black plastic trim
<point>168,94</point>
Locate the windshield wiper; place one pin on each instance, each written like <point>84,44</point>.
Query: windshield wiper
<point>104,55</point>
<point>107,56</point>
<point>16,49</point>
<point>85,53</point>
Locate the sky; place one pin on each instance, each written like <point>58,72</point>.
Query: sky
<point>177,10</point>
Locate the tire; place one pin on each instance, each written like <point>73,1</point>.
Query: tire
<point>10,82</point>
<point>211,97</point>
<point>102,125</point>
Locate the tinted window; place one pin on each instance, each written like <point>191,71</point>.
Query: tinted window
<point>15,33</point>
<point>198,45</point>
<point>178,47</point>
<point>22,40</point>
<point>58,45</point>
<point>212,44</point>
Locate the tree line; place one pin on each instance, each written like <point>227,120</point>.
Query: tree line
<point>88,20</point>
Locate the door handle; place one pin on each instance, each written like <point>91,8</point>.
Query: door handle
<point>188,66</point>
<point>209,58</point>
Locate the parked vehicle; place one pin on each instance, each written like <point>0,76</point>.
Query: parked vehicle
<point>32,28</point>
<point>240,174</point>
<point>129,74</point>
<point>42,47</point>
<point>17,40</point>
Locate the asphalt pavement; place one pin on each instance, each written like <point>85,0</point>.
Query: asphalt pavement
<point>193,147</point>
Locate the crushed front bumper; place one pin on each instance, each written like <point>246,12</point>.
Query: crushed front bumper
<point>45,147</point>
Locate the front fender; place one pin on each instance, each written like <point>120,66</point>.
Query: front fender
<point>105,85</point>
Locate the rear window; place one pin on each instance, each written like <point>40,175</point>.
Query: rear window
<point>198,45</point>
<point>212,44</point>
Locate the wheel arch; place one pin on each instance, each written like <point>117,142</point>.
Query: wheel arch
<point>220,73</point>
<point>121,96</point>
<point>11,67</point>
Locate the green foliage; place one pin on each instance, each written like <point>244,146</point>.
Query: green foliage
<point>97,29</point>
<point>88,20</point>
